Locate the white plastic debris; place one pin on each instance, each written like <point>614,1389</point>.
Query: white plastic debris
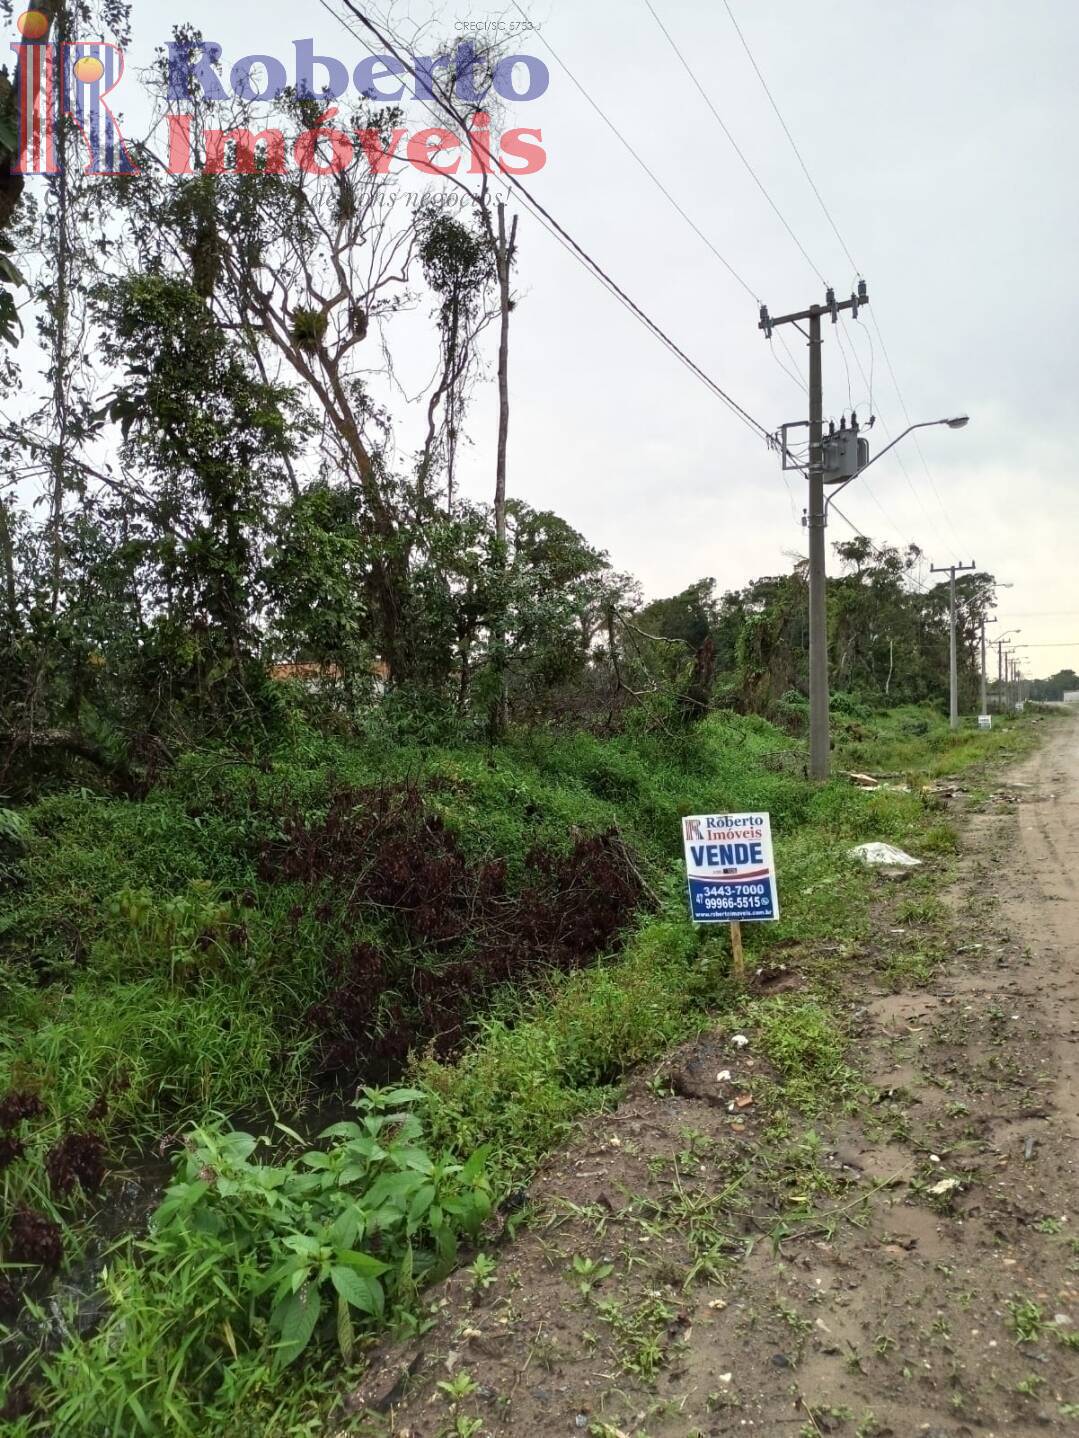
<point>946,1185</point>
<point>884,854</point>
<point>739,1040</point>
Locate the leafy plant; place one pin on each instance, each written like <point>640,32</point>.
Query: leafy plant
<point>1027,1319</point>
<point>483,1269</point>
<point>461,1385</point>
<point>589,1273</point>
<point>291,1232</point>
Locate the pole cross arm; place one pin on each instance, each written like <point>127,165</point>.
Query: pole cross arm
<point>831,306</point>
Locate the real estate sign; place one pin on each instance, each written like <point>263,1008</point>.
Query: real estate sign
<point>730,868</point>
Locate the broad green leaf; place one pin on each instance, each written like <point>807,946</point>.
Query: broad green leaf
<point>473,1169</point>
<point>346,1227</point>
<point>345,1129</point>
<point>304,1244</point>
<point>421,1202</point>
<point>413,1158</point>
<point>295,1320</point>
<point>361,1292</point>
<point>361,1262</point>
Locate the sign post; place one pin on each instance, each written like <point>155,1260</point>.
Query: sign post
<point>731,872</point>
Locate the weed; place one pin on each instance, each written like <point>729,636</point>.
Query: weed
<point>483,1269</point>
<point>589,1273</point>
<point>461,1385</point>
<point>1027,1320</point>
<point>465,1427</point>
<point>269,1256</point>
<point>157,960</point>
<point>802,1040</point>
<point>640,1334</point>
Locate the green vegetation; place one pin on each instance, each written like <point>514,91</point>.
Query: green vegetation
<point>317,778</point>
<point>159,976</point>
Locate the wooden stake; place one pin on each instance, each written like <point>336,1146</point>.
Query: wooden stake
<point>738,967</point>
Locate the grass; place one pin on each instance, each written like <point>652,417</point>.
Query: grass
<point>151,976</point>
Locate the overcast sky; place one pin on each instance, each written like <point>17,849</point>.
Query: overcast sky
<point>942,136</point>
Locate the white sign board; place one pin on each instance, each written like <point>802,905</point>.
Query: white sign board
<point>985,721</point>
<point>730,868</point>
<point>1020,706</point>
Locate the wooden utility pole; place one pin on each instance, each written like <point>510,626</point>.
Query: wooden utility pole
<point>817,519</point>
<point>953,653</point>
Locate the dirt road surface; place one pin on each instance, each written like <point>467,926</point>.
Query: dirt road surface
<point>690,1268</point>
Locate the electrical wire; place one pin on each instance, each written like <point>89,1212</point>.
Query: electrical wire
<point>665,192</point>
<point>790,373</point>
<point>563,236</point>
<point>617,133</point>
<point>846,250</point>
<point>868,379</point>
<point>906,413</point>
<point>922,588</point>
<point>790,137</point>
<point>734,143</point>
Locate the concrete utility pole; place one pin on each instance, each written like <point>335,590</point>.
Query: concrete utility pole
<point>953,655</point>
<point>1001,696</point>
<point>817,519</point>
<point>834,461</point>
<point>820,745</point>
<point>985,692</point>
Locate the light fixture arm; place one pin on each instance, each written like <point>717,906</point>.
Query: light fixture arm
<point>956,423</point>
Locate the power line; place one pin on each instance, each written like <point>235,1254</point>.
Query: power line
<point>846,250</point>
<point>565,238</point>
<point>906,413</point>
<point>790,137</point>
<point>676,205</point>
<point>617,133</point>
<point>737,148</point>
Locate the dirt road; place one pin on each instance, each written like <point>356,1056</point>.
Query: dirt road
<point>695,1269</point>
<point>1045,908</point>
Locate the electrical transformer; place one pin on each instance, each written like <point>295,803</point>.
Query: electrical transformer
<point>845,453</point>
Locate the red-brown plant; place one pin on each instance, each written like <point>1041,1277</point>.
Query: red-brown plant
<point>380,851</point>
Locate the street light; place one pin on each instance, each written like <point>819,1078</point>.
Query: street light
<point>958,421</point>
<point>816,519</point>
